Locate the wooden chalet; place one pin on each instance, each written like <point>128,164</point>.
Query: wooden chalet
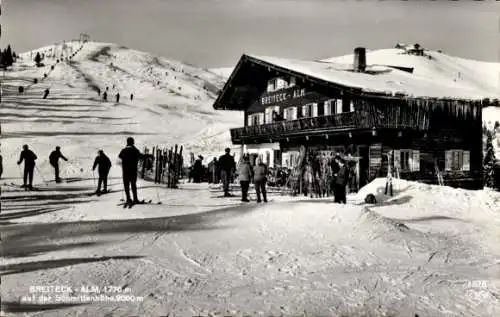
<point>361,111</point>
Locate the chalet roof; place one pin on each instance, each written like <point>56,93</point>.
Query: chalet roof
<point>377,79</point>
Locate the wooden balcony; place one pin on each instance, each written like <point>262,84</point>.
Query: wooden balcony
<point>311,126</point>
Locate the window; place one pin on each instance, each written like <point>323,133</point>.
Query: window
<point>457,160</point>
<point>276,84</point>
<point>269,113</point>
<point>291,113</point>
<point>271,85</point>
<point>292,82</point>
<point>256,118</point>
<point>329,107</point>
<point>310,110</point>
<point>338,108</point>
<point>407,160</point>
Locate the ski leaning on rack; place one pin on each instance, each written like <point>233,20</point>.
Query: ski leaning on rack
<point>129,205</point>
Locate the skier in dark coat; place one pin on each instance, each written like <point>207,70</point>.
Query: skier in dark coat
<point>130,157</point>
<point>54,161</point>
<point>131,97</point>
<point>29,165</point>
<point>1,166</point>
<point>105,96</point>
<point>104,166</point>
<point>98,91</point>
<point>118,97</point>
<point>198,170</point>
<point>46,93</point>
<point>341,180</point>
<point>227,166</point>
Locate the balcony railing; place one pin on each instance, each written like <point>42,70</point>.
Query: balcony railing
<point>313,125</point>
<point>338,121</point>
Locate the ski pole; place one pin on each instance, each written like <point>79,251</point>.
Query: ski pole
<point>93,177</point>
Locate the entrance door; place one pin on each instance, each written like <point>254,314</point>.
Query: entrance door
<point>364,165</point>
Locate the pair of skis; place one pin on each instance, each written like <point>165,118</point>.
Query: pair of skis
<point>131,204</point>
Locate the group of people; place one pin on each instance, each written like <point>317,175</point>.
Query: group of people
<point>29,158</point>
<point>129,155</point>
<point>117,96</point>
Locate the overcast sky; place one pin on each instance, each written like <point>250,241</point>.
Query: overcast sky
<point>214,33</point>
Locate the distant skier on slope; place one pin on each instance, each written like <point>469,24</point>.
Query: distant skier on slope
<point>29,165</point>
<point>118,97</point>
<point>46,93</point>
<point>130,157</point>
<point>98,91</point>
<point>131,97</point>
<point>54,161</point>
<point>104,166</point>
<point>105,96</point>
<point>1,166</point>
<point>227,165</point>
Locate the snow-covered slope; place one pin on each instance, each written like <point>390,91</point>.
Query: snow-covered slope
<point>172,104</point>
<point>222,71</point>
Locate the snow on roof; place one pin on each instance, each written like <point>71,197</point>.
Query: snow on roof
<point>384,80</point>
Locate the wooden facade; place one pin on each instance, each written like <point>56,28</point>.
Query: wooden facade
<point>423,133</point>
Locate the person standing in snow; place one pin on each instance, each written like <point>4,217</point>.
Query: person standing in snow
<point>98,91</point>
<point>54,161</point>
<point>260,180</point>
<point>131,97</point>
<point>130,157</point>
<point>212,171</point>
<point>198,170</point>
<point>105,96</point>
<point>245,174</point>
<point>104,166</point>
<point>29,165</point>
<point>117,97</point>
<point>341,180</point>
<point>1,166</point>
<point>227,165</point>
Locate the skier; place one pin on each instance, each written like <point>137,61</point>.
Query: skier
<point>46,93</point>
<point>198,170</point>
<point>341,179</point>
<point>98,91</point>
<point>1,166</point>
<point>130,157</point>
<point>131,97</point>
<point>105,96</point>
<point>260,179</point>
<point>104,166</point>
<point>227,166</point>
<point>245,174</point>
<point>29,165</point>
<point>54,161</point>
<point>118,97</point>
<point>212,171</point>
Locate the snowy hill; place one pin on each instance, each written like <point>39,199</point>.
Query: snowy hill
<point>172,104</point>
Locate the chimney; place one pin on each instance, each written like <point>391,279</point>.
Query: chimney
<point>359,59</point>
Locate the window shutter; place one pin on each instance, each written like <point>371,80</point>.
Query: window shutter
<point>327,110</point>
<point>305,112</point>
<point>397,159</point>
<point>285,113</point>
<point>314,110</point>
<point>416,160</point>
<point>351,105</point>
<point>466,161</point>
<point>339,106</point>
<point>294,113</point>
<point>447,160</point>
<point>292,82</point>
<point>270,86</point>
